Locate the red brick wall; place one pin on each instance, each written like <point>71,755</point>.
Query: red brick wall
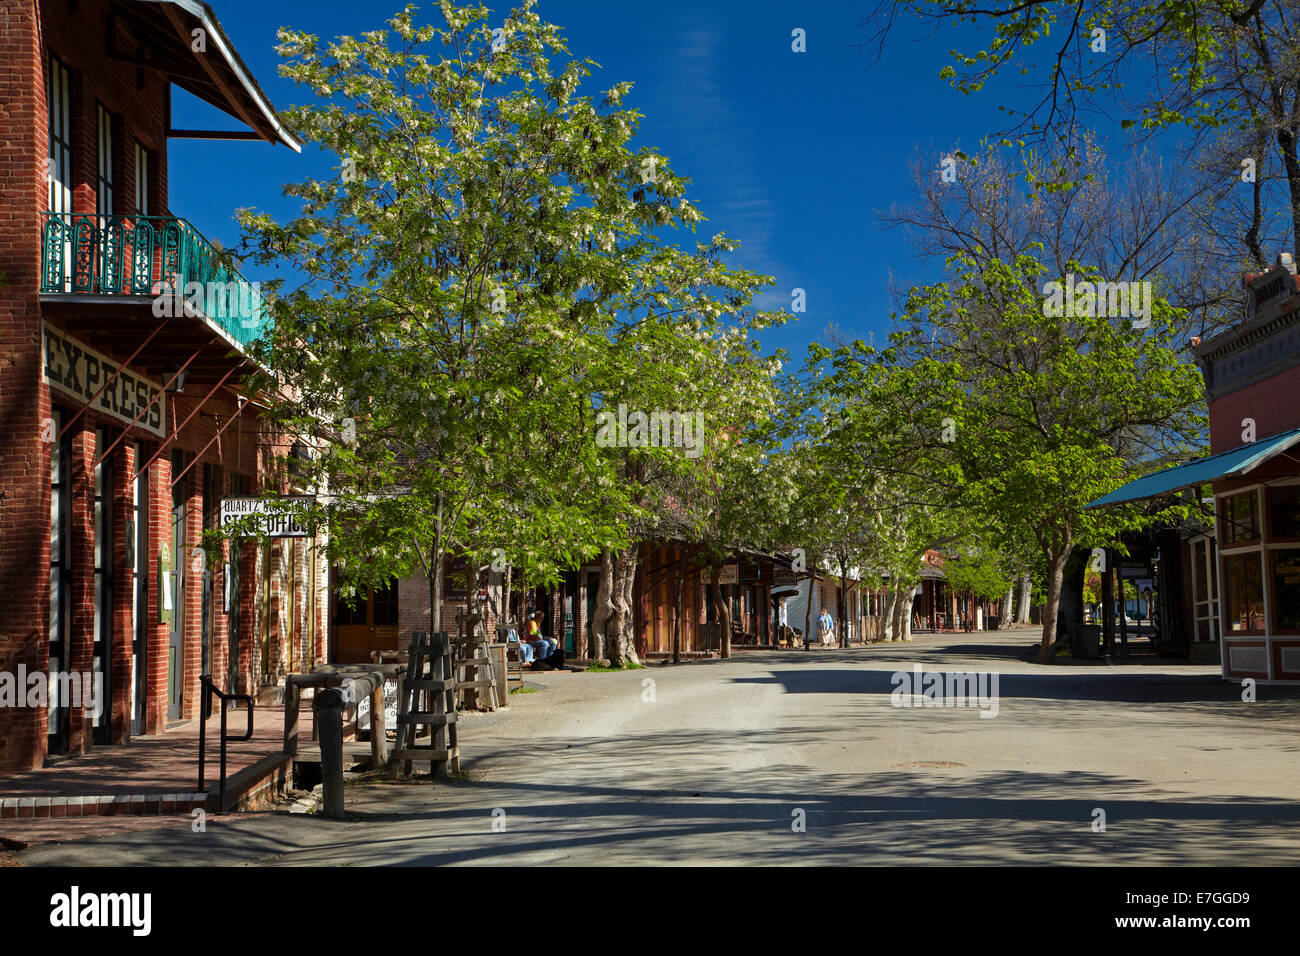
<point>249,635</point>
<point>1273,403</point>
<point>192,605</point>
<point>24,458</point>
<point>81,633</point>
<point>413,609</point>
<point>138,100</point>
<point>157,631</point>
<point>139,103</point>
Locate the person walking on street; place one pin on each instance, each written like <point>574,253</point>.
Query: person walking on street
<point>826,627</point>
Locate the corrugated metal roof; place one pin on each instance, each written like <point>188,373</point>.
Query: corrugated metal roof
<point>1226,464</point>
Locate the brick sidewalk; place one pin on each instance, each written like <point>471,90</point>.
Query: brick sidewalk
<point>150,775</point>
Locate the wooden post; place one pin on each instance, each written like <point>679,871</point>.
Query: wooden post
<point>497,652</point>
<point>443,671</point>
<point>292,698</point>
<point>327,707</point>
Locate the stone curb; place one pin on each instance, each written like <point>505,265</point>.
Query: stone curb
<point>139,804</point>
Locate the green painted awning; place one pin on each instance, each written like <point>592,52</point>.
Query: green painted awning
<point>1228,464</point>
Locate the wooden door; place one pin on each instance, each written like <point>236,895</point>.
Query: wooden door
<point>369,623</point>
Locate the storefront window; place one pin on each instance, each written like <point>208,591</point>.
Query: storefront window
<point>351,611</point>
<point>1241,518</point>
<point>1284,512</point>
<point>385,600</point>
<point>1243,592</point>
<point>1286,589</point>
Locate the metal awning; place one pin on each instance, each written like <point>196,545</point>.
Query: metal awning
<point>1228,464</point>
<point>164,31</point>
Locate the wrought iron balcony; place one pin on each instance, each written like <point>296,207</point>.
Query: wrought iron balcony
<point>149,256</point>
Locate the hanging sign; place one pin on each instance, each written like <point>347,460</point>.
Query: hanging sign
<point>73,367</point>
<point>728,574</point>
<point>277,522</point>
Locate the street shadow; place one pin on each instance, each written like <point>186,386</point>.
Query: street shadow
<point>629,800</point>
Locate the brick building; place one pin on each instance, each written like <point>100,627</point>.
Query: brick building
<point>125,420</point>
<point>1240,580</point>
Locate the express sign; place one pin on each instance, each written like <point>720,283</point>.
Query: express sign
<point>74,367</point>
<point>278,522</point>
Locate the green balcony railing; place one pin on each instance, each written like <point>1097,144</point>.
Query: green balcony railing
<point>149,256</point>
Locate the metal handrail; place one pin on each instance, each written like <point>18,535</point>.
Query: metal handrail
<point>205,711</point>
<point>148,255</point>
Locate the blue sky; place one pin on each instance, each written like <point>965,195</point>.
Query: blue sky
<point>794,154</point>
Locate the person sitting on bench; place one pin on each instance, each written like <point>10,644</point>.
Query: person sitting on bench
<point>512,639</point>
<point>538,648</point>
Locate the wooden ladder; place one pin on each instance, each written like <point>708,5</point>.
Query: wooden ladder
<point>428,700</point>
<point>479,658</point>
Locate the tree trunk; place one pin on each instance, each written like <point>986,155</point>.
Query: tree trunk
<point>842,605</point>
<point>908,600</point>
<point>436,590</point>
<point>604,606</point>
<point>887,615</point>
<point>505,602</point>
<point>721,607</point>
<point>807,612</point>
<point>620,645</point>
<point>1055,574</point>
<point>435,596</point>
<point>1070,608</point>
<point>683,565</point>
<point>1004,612</point>
<point>896,604</point>
<point>1022,609</point>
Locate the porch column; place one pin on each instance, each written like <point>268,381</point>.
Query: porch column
<point>81,584</point>
<point>120,662</point>
<point>160,536</point>
<point>193,561</point>
<point>250,634</point>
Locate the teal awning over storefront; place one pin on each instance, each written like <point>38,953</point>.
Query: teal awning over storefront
<point>1227,464</point>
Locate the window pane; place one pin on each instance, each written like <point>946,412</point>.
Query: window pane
<point>1241,518</point>
<point>385,599</point>
<point>1286,589</point>
<point>1284,512</point>
<point>1242,586</point>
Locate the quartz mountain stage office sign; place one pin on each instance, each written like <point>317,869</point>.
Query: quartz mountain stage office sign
<point>73,367</point>
<point>277,523</point>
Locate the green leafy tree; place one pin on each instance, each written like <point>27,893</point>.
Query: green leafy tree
<point>483,271</point>
<point>1045,411</point>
